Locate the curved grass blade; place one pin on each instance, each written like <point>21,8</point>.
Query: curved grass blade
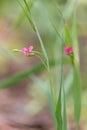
<point>59,112</point>
<point>77,80</point>
<point>59,101</point>
<point>9,82</point>
<point>68,83</point>
<point>42,47</point>
<point>67,36</point>
<point>77,95</point>
<point>76,75</point>
<point>28,16</point>
<point>64,127</point>
<point>33,25</point>
<point>21,17</point>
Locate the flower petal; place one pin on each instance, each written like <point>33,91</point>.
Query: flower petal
<point>25,50</point>
<point>68,50</point>
<point>30,49</point>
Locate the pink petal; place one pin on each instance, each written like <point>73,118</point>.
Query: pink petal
<point>71,50</point>
<point>68,50</point>
<point>30,49</point>
<point>25,50</point>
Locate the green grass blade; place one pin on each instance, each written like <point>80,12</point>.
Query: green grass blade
<point>64,117</point>
<point>27,15</point>
<point>41,42</point>
<point>59,112</point>
<point>69,8</point>
<point>9,82</point>
<point>67,36</point>
<point>76,74</point>
<point>64,110</point>
<point>20,76</point>
<point>21,17</point>
<point>77,95</point>
<point>28,7</point>
<point>33,24</point>
<point>68,83</point>
<point>77,80</point>
<point>59,101</point>
<point>43,49</point>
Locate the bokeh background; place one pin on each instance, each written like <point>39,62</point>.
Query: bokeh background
<point>23,105</point>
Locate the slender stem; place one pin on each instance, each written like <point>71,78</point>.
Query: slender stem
<point>38,53</point>
<point>27,6</point>
<point>47,62</point>
<point>17,50</point>
<point>33,24</point>
<point>41,60</point>
<point>61,79</point>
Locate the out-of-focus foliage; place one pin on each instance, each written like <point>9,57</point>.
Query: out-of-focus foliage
<point>50,23</point>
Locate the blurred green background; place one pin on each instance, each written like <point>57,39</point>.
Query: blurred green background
<point>24,102</point>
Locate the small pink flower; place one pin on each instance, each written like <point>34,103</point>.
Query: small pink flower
<point>27,51</point>
<point>68,50</point>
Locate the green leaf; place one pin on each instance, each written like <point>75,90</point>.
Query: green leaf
<point>34,26</point>
<point>64,127</point>
<point>28,16</point>
<point>41,42</point>
<point>27,6</point>
<point>76,74</point>
<point>21,17</point>
<point>59,104</point>
<point>9,82</point>
<point>68,83</point>
<point>20,76</point>
<point>77,94</point>
<point>67,36</point>
<point>59,111</point>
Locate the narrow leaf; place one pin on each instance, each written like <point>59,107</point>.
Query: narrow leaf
<point>76,69</point>
<point>64,110</point>
<point>67,36</point>
<point>59,111</point>
<point>77,94</point>
<point>28,16</point>
<point>9,82</point>
<point>59,101</point>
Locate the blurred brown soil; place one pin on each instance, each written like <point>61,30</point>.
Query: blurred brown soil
<point>13,116</point>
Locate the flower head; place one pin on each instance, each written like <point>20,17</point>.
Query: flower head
<point>27,51</point>
<point>68,50</point>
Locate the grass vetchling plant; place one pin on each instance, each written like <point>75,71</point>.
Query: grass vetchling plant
<point>57,104</point>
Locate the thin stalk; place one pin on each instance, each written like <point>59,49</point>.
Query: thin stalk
<point>61,80</point>
<point>64,118</point>
<point>27,6</point>
<point>33,24</point>
<point>27,15</point>
<point>41,60</point>
<point>47,62</point>
<point>37,52</point>
<point>64,109</point>
<point>16,78</point>
<point>58,112</point>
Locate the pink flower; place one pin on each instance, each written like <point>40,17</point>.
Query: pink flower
<point>68,50</point>
<point>27,51</point>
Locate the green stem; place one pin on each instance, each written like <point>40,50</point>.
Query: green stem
<point>47,62</point>
<point>42,61</point>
